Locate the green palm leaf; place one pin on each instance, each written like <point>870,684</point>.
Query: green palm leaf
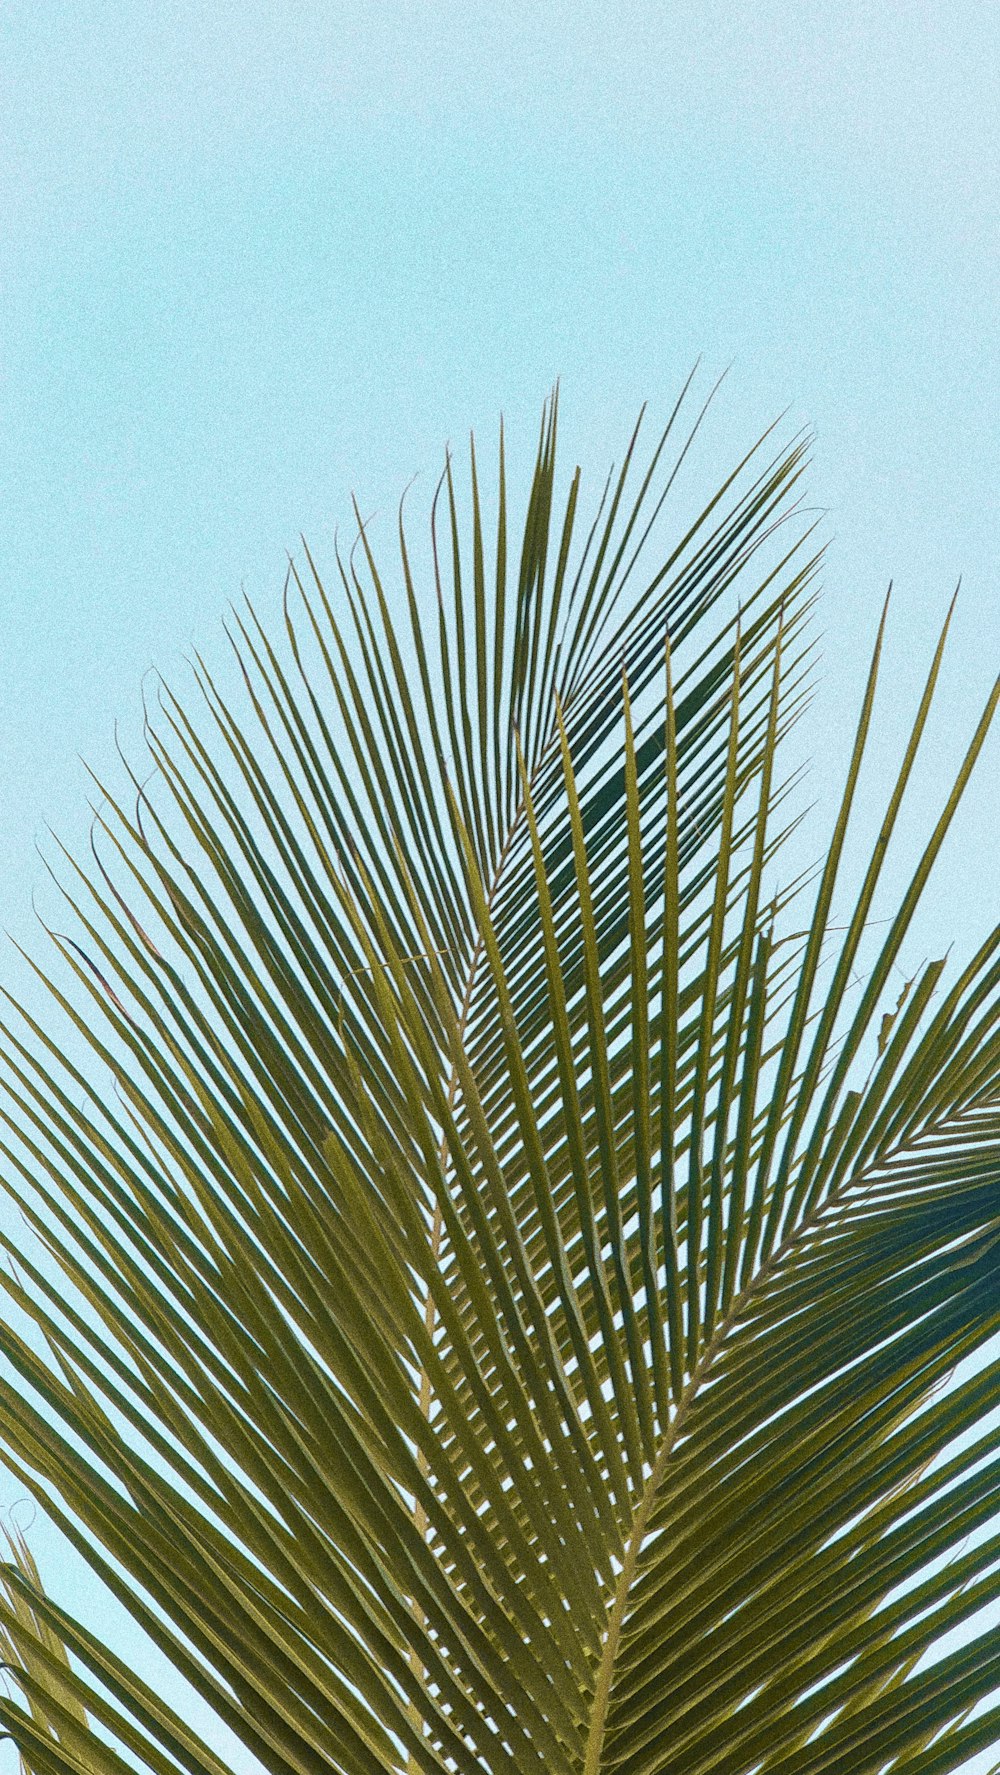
<point>498,1300</point>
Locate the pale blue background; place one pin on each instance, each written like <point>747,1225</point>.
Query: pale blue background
<point>254,257</point>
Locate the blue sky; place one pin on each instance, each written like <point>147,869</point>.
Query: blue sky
<point>253,259</point>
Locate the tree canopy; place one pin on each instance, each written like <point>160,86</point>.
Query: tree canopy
<point>509,1275</point>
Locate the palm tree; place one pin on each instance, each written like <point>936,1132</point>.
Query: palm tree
<point>506,1289</point>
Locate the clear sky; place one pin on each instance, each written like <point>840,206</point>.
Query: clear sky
<point>255,257</point>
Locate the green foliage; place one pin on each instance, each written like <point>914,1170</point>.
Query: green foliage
<point>499,1285</point>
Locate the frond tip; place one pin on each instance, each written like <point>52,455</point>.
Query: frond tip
<point>494,1300</point>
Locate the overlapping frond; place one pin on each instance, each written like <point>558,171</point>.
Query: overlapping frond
<point>495,1292</point>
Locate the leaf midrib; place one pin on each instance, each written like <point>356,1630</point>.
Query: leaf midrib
<point>644,1508</point>
<point>436,1222</point>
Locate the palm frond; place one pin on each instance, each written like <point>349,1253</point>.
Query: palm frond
<point>501,1304</point>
